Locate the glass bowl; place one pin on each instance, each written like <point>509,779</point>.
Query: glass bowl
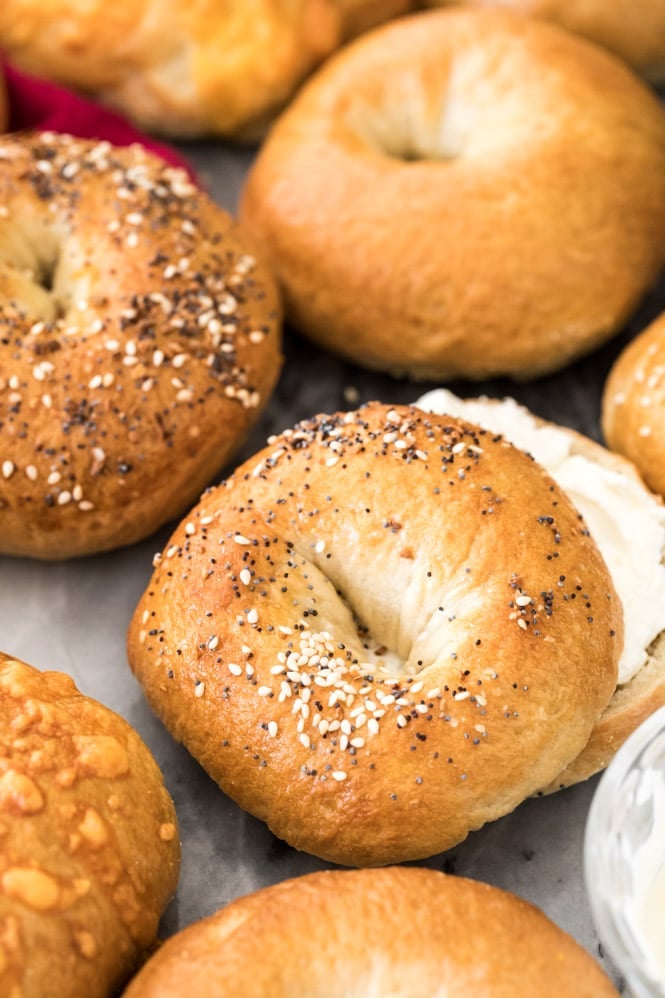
<point>624,859</point>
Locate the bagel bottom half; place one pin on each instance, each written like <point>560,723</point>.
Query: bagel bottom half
<point>627,522</point>
<point>395,931</point>
<point>386,629</point>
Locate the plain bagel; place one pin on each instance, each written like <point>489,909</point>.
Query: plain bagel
<point>633,31</point>
<point>464,193</point>
<point>627,521</point>
<point>185,69</point>
<point>89,855</point>
<point>356,933</point>
<point>386,629</point>
<point>634,404</point>
<point>139,342</point>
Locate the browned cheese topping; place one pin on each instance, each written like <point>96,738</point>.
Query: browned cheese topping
<point>75,792</point>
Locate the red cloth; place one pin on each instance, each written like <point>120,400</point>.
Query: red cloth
<point>36,104</point>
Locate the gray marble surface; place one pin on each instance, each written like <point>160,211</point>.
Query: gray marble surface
<point>73,616</point>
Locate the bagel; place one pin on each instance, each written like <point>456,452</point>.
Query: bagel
<point>370,635</point>
<point>89,852</point>
<point>633,31</point>
<point>634,404</point>
<point>397,931</point>
<point>139,342</point>
<point>185,69</point>
<point>463,194</point>
<point>628,524</point>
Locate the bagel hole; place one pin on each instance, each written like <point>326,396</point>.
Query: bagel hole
<point>47,276</point>
<point>409,140</point>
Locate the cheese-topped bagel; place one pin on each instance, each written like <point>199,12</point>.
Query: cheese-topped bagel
<point>89,847</point>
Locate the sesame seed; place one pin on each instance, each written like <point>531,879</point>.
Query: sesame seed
<point>272,728</point>
<point>245,576</point>
<point>339,775</point>
<point>199,689</point>
<point>263,691</point>
<point>240,539</point>
<point>8,469</point>
<point>213,642</point>
<point>253,616</point>
<point>236,670</point>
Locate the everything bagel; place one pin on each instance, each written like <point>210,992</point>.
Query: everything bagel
<point>139,340</point>
<point>384,630</point>
<point>627,522</point>
<point>464,193</point>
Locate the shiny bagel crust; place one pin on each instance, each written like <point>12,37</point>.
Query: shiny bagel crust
<point>454,936</point>
<point>386,629</point>
<point>139,341</point>
<point>644,693</point>
<point>633,31</point>
<point>464,193</point>
<point>89,848</point>
<point>641,696</point>
<point>633,408</point>
<point>192,69</point>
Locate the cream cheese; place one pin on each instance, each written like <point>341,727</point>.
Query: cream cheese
<point>626,521</point>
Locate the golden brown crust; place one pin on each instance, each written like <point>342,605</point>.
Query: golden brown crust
<point>644,693</point>
<point>524,227</point>
<point>634,404</point>
<point>139,342</point>
<point>204,67</point>
<point>89,849</point>
<point>633,31</point>
<point>369,636</point>
<point>633,701</point>
<point>395,931</point>
<point>628,708</point>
